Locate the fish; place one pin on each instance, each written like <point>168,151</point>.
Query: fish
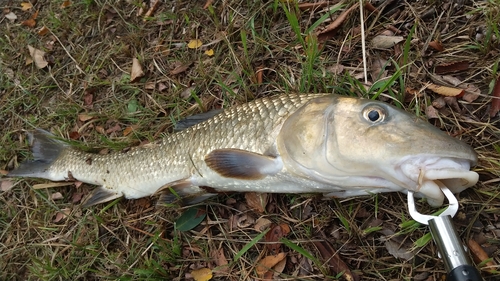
<point>335,145</point>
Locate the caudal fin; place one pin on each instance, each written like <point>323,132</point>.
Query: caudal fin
<point>46,149</point>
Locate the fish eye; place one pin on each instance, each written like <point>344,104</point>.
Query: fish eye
<point>374,114</point>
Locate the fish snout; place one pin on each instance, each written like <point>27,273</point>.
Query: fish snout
<point>424,173</point>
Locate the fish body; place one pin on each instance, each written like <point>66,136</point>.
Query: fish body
<point>296,143</point>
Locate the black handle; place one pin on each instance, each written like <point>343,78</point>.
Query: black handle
<point>464,273</point>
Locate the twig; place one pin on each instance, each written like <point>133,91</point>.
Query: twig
<point>363,45</point>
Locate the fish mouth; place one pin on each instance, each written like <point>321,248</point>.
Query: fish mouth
<point>422,174</point>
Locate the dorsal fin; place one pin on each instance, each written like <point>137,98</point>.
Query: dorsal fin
<point>195,119</point>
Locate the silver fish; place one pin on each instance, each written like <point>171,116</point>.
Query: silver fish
<point>297,143</point>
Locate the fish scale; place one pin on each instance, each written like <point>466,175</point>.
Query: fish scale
<point>294,143</point>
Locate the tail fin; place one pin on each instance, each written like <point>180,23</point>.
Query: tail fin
<point>46,149</point>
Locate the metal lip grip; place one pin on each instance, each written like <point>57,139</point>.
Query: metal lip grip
<point>456,261</point>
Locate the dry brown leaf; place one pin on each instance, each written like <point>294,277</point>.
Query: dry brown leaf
<point>129,130</point>
<point>25,6</point>
<point>65,4</point>
<point>398,251</point>
<point>62,214</point>
<point>6,185</point>
<point>330,30</point>
<point>279,267</point>
<point>74,135</point>
<point>220,260</point>
<point>38,57</point>
<point>77,196</point>
<point>431,112</point>
<point>202,274</point>
<point>180,68</point>
<point>56,196</point>
<point>445,91</point>
<point>257,201</point>
<point>44,30</point>
<point>3,172</point>
<point>267,263</point>
<point>480,255</point>
<point>84,117</point>
<point>330,255</point>
<point>274,235</point>
<point>29,23</point>
<point>262,224</point>
<point>451,67</point>
<point>137,71</point>
<point>386,42</point>
<point>495,102</point>
<point>436,45</point>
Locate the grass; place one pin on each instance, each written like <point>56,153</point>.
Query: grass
<point>90,48</point>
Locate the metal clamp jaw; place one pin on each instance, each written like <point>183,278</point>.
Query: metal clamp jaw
<point>444,234</point>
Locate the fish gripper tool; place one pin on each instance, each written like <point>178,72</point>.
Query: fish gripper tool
<point>452,251</point>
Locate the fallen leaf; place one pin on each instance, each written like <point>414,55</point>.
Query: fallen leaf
<point>65,4</point>
<point>431,112</point>
<point>331,256</point>
<point>445,91</point>
<point>194,44</point>
<point>11,16</point>
<point>44,30</point>
<point>180,68</point>
<point>29,23</point>
<point>220,260</point>
<point>25,6</point>
<point>480,256</point>
<point>77,196</point>
<point>436,45</point>
<point>495,102</point>
<point>398,250</point>
<point>386,42</point>
<point>62,214</point>
<point>274,235</point>
<point>471,92</point>
<point>257,201</point>
<point>38,57</point>
<point>56,196</point>
<point>330,30</point>
<point>74,135</point>
<point>6,185</point>
<point>202,274</point>
<point>84,117</point>
<point>136,70</point>
<point>267,263</point>
<point>209,52</point>
<point>451,67</point>
<point>262,224</point>
<point>129,130</point>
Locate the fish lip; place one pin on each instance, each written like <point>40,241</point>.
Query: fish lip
<point>421,172</point>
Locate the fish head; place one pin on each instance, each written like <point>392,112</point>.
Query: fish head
<point>359,144</point>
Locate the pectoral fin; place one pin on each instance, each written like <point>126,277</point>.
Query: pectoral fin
<point>101,195</point>
<point>242,164</point>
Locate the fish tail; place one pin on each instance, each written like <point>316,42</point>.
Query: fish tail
<point>46,149</point>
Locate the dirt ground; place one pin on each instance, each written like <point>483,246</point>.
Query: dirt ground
<point>109,75</point>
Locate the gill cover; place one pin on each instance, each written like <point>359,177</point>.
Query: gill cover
<point>302,141</point>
